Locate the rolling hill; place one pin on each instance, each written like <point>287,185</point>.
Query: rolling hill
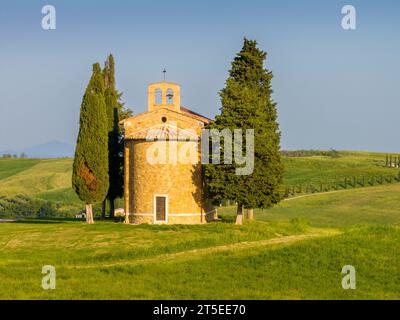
<point>374,205</point>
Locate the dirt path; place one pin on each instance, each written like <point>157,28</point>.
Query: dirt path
<point>319,194</point>
<point>336,191</point>
<point>195,253</point>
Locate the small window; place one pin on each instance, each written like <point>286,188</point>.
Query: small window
<point>158,96</point>
<point>170,96</point>
<point>164,119</point>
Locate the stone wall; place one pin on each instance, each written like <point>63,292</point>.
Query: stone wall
<point>181,183</point>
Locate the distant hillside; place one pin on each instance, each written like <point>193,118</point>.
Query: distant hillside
<point>48,179</point>
<point>53,149</point>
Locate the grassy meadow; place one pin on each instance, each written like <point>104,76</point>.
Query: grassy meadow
<point>315,169</point>
<point>374,205</point>
<point>295,250</point>
<point>42,178</point>
<point>260,260</point>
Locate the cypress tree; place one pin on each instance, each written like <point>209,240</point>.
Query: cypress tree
<point>115,144</point>
<point>247,104</point>
<point>90,168</point>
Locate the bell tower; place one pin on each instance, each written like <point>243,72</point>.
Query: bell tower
<point>164,95</point>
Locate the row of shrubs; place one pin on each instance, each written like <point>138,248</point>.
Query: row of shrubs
<point>338,184</point>
<point>308,153</point>
<point>24,206</point>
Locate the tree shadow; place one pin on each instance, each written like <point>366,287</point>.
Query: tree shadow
<point>45,221</point>
<point>199,195</point>
<point>197,181</point>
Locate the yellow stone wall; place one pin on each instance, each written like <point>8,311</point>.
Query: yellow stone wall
<point>182,183</point>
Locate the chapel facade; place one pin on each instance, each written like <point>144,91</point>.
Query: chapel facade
<point>162,162</point>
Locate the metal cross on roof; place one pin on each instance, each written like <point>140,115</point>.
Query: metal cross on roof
<point>164,71</point>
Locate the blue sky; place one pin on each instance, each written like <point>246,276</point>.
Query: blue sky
<point>334,88</point>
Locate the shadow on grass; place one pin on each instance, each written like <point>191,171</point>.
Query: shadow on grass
<point>45,220</point>
<point>62,220</point>
<point>229,219</point>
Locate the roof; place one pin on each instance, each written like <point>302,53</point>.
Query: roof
<point>184,111</point>
<point>195,114</point>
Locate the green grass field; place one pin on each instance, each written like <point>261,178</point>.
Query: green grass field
<point>314,169</point>
<point>214,261</point>
<point>11,167</point>
<point>47,179</point>
<point>33,177</point>
<point>374,205</point>
<point>293,251</point>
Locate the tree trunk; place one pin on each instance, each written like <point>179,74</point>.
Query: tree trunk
<point>103,209</point>
<point>250,214</point>
<point>89,214</point>
<point>126,221</point>
<point>112,208</point>
<point>239,214</point>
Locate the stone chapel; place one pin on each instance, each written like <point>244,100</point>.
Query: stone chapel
<point>168,191</point>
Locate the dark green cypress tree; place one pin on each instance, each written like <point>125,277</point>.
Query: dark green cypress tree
<point>247,104</point>
<point>90,168</point>
<point>115,143</point>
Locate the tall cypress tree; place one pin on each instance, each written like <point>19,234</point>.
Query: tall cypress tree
<point>247,104</point>
<point>90,168</point>
<point>115,144</point>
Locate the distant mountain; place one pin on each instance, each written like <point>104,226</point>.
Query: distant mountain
<point>53,149</point>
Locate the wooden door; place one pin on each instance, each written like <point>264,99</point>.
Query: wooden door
<point>161,210</point>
